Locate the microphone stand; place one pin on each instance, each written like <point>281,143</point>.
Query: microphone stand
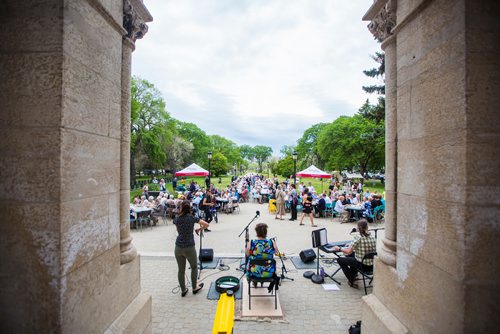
<point>283,268</point>
<point>199,253</point>
<point>247,239</point>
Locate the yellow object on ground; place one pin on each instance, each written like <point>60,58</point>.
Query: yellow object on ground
<point>224,315</point>
<point>272,206</point>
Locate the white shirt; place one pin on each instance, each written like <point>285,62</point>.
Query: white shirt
<point>339,207</point>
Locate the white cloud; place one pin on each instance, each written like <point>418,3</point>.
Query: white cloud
<point>271,67</point>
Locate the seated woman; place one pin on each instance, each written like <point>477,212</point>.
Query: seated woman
<point>261,248</point>
<point>354,254</point>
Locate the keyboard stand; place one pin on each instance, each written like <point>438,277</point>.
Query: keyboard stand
<point>328,248</point>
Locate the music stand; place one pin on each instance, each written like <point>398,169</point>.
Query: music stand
<point>319,238</point>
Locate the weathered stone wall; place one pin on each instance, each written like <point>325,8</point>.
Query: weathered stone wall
<point>482,168</point>
<point>61,120</point>
<point>447,64</point>
<point>31,94</point>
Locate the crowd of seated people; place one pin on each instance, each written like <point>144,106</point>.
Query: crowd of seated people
<point>334,200</point>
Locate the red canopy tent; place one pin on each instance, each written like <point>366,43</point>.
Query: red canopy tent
<point>315,172</point>
<point>192,170</point>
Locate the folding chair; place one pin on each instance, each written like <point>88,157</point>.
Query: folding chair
<point>367,275</point>
<point>379,214</point>
<point>272,280</point>
<point>236,206</point>
<point>328,210</point>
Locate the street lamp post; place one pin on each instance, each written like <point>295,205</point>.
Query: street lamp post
<point>234,171</point>
<point>294,155</point>
<point>209,171</point>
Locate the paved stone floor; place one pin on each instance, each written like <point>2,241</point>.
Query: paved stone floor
<point>307,306</point>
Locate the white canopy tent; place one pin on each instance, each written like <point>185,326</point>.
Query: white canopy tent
<point>192,170</point>
<point>314,172</point>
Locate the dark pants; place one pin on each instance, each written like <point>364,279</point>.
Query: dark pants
<point>181,255</point>
<point>350,266</point>
<point>208,214</point>
<point>293,207</point>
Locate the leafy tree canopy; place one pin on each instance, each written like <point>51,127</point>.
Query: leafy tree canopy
<point>307,147</point>
<point>218,164</point>
<point>262,153</point>
<point>352,143</point>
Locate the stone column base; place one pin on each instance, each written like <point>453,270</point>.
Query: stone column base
<point>378,319</point>
<point>136,318</point>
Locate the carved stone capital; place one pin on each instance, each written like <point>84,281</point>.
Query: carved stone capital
<point>383,19</point>
<point>135,17</point>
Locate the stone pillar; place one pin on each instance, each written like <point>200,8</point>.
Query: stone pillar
<point>442,71</point>
<point>127,250</point>
<point>383,21</point>
<point>61,191</point>
<point>134,21</point>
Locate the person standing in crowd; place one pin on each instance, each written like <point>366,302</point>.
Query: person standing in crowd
<point>162,186</point>
<point>207,182</point>
<point>185,247</point>
<point>354,254</point>
<point>145,190</point>
<point>280,203</point>
<point>206,206</point>
<point>307,207</point>
<point>174,184</point>
<point>294,200</point>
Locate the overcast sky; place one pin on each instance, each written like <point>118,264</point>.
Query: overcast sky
<point>258,72</point>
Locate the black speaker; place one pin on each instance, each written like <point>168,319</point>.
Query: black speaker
<point>307,255</point>
<point>207,255</point>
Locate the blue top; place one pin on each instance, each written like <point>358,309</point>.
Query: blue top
<point>261,249</point>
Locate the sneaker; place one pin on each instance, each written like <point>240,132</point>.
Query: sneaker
<point>207,230</point>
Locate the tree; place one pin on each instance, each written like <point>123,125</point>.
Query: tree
<point>262,153</point>
<point>284,167</point>
<point>376,72</point>
<point>218,164</point>
<point>149,125</point>
<point>307,147</point>
<point>374,112</point>
<point>353,143</point>
<point>200,140</point>
<point>287,150</point>
<point>247,152</point>
<point>180,152</point>
<point>228,148</point>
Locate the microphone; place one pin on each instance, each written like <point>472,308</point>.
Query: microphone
<point>257,213</point>
<point>353,230</point>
